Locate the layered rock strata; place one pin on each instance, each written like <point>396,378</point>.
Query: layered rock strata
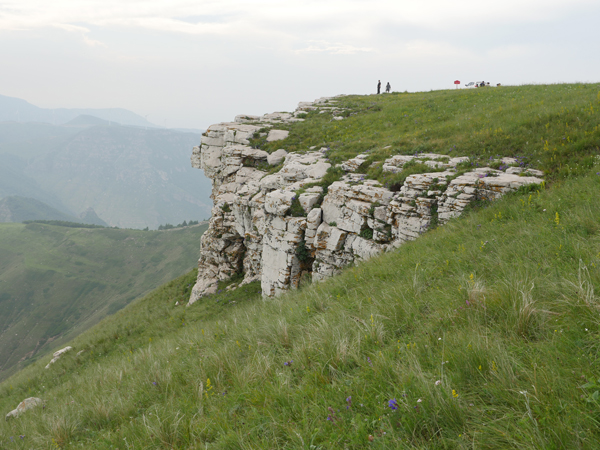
<point>277,227</point>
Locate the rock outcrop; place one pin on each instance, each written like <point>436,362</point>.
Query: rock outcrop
<point>25,405</point>
<point>277,227</point>
<point>57,355</point>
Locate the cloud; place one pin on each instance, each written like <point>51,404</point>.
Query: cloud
<point>81,31</point>
<point>217,17</point>
<point>332,48</point>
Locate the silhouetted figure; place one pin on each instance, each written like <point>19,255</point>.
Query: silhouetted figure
<point>388,87</point>
<point>379,87</point>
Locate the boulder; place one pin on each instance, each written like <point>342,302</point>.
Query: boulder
<point>277,135</point>
<point>276,157</point>
<point>25,405</point>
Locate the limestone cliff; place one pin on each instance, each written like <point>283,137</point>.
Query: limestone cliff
<point>276,227</point>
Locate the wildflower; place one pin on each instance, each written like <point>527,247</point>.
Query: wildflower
<point>454,393</point>
<point>349,401</point>
<point>154,383</point>
<point>438,382</point>
<point>393,404</point>
<point>369,361</point>
<point>419,401</point>
<point>331,417</point>
<point>22,436</point>
<point>288,363</point>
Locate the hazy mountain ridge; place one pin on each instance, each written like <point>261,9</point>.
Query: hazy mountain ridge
<point>20,209</point>
<point>132,176</point>
<point>16,109</point>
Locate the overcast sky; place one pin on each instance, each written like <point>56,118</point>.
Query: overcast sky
<point>191,63</point>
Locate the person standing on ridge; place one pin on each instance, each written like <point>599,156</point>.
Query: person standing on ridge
<point>379,87</point>
<point>388,87</point>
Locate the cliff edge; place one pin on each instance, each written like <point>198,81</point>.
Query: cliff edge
<point>275,219</point>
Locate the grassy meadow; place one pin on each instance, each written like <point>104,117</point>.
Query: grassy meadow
<point>481,334</point>
<point>554,128</point>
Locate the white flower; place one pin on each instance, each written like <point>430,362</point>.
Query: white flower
<point>438,382</point>
<point>419,401</point>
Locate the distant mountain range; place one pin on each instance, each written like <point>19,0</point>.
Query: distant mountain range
<point>132,176</point>
<point>18,110</point>
<point>21,209</point>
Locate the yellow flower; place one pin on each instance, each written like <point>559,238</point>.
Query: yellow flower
<point>454,394</point>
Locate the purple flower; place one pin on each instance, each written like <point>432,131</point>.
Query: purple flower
<point>393,404</point>
<point>369,361</point>
<point>154,383</point>
<point>349,401</point>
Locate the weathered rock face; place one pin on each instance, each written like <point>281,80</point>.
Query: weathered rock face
<point>25,405</point>
<point>57,355</point>
<point>277,227</point>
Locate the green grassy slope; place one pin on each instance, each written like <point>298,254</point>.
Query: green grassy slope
<point>498,306</point>
<point>552,127</point>
<point>56,282</point>
<point>481,334</point>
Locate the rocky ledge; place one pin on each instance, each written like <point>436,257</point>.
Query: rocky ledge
<point>280,227</point>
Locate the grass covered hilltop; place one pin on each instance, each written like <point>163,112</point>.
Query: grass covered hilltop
<point>483,333</point>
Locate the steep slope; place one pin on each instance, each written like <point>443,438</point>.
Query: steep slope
<point>56,282</point>
<point>482,333</point>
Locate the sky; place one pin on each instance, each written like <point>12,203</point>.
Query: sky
<point>192,63</point>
